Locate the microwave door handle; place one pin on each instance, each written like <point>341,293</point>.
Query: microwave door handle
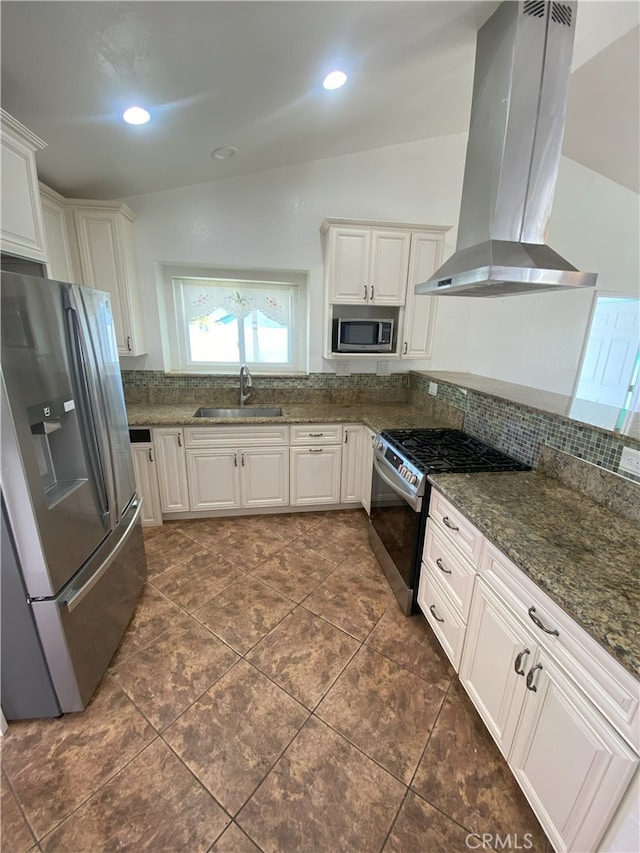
<point>86,412</point>
<point>413,501</point>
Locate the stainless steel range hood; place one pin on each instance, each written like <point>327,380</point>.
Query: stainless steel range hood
<point>523,62</point>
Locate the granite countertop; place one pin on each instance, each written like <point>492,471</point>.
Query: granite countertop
<point>376,416</point>
<point>585,557</point>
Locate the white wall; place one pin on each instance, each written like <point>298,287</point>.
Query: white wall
<point>272,219</point>
<point>537,340</point>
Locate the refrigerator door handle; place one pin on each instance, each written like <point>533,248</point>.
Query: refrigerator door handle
<point>87,412</point>
<point>72,602</point>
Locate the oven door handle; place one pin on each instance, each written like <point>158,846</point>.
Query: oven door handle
<point>414,502</point>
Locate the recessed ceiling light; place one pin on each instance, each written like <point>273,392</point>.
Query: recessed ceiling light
<point>224,153</point>
<point>334,80</point>
<point>136,115</point>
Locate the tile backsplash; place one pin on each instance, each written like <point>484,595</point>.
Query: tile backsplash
<point>513,427</point>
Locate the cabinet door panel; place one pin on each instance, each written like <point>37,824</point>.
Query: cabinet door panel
<point>420,311</point>
<point>315,475</point>
<point>495,644</point>
<point>265,477</point>
<point>146,474</point>
<point>367,467</point>
<point>446,623</point>
<point>570,764</point>
<point>172,474</point>
<point>389,266</point>
<point>21,219</point>
<point>350,484</point>
<point>214,479</point>
<point>349,264</point>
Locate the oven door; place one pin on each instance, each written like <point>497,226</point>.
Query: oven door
<point>397,531</point>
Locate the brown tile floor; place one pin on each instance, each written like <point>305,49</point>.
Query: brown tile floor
<point>268,696</point>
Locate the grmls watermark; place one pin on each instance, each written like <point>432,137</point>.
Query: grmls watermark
<point>496,841</point>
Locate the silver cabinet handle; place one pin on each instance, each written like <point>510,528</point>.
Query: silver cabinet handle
<point>315,450</point>
<point>538,622</point>
<point>406,347</point>
<point>179,440</point>
<point>316,434</point>
<point>372,292</point>
<point>518,661</point>
<point>432,610</point>
<point>235,460</point>
<point>242,459</point>
<point>440,565</point>
<point>150,452</point>
<point>448,523</point>
<point>530,684</point>
<point>365,293</point>
<point>129,347</point>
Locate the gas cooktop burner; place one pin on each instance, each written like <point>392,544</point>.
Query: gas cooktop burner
<point>442,450</point>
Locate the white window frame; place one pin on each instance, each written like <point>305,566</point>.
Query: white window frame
<point>173,326</point>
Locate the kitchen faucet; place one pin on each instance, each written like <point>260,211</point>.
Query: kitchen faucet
<point>245,382</point>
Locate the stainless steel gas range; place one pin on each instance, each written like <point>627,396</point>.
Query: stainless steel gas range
<point>403,459</point>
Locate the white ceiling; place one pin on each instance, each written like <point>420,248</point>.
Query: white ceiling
<point>249,74</point>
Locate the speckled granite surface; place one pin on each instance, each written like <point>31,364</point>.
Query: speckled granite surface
<point>376,416</point>
<point>586,558</point>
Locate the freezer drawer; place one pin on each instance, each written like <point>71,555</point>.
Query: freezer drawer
<point>82,627</point>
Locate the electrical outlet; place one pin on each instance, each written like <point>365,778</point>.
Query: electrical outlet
<point>630,461</point>
<point>383,368</point>
<point>433,389</point>
<point>343,368</point>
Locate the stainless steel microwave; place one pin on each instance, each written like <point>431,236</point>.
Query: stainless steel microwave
<point>361,335</point>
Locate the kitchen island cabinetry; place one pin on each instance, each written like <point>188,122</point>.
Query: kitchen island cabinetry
<point>21,222</point>
<point>172,470</point>
<point>103,240</point>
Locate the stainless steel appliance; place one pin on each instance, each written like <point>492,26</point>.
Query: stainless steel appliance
<point>523,63</point>
<point>362,335</point>
<point>402,461</point>
<point>75,556</point>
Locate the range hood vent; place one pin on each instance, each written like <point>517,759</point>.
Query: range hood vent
<point>523,63</point>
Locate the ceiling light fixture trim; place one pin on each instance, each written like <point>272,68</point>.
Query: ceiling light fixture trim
<point>224,153</point>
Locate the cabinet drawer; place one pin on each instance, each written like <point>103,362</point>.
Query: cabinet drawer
<point>455,573</point>
<point>316,434</point>
<point>613,690</point>
<point>236,436</point>
<point>441,615</point>
<point>455,527</point>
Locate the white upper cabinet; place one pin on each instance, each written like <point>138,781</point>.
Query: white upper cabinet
<point>420,311</point>
<point>22,229</point>
<point>367,265</point>
<point>56,235</point>
<point>107,260</point>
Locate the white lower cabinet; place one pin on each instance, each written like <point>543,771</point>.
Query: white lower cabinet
<point>351,465</point>
<point>172,471</point>
<point>569,761</point>
<point>366,471</point>
<point>146,473</point>
<point>315,475</point>
<point>264,476</point>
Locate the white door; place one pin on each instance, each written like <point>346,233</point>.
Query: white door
<point>420,310</point>
<point>265,476</point>
<point>168,443</point>
<point>571,765</point>
<point>146,474</point>
<point>609,362</point>
<point>214,479</point>
<point>351,480</point>
<point>315,475</point>
<point>389,266</point>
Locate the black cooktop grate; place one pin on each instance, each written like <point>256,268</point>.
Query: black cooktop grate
<point>449,450</point>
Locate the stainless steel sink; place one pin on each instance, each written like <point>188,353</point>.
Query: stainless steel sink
<point>240,412</point>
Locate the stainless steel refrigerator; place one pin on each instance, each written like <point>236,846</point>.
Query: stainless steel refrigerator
<point>73,560</point>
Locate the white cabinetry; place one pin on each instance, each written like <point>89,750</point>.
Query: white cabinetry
<point>172,472</point>
<point>107,260</point>
<point>22,229</point>
<point>351,476</point>
<point>367,467</point>
<point>57,238</point>
<point>146,473</point>
<point>237,467</point>
<point>571,764</point>
<point>316,461</point>
<point>420,310</point>
<point>367,265</point>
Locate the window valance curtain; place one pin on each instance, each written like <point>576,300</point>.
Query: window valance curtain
<point>239,299</point>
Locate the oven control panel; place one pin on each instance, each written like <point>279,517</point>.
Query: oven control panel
<point>388,455</point>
